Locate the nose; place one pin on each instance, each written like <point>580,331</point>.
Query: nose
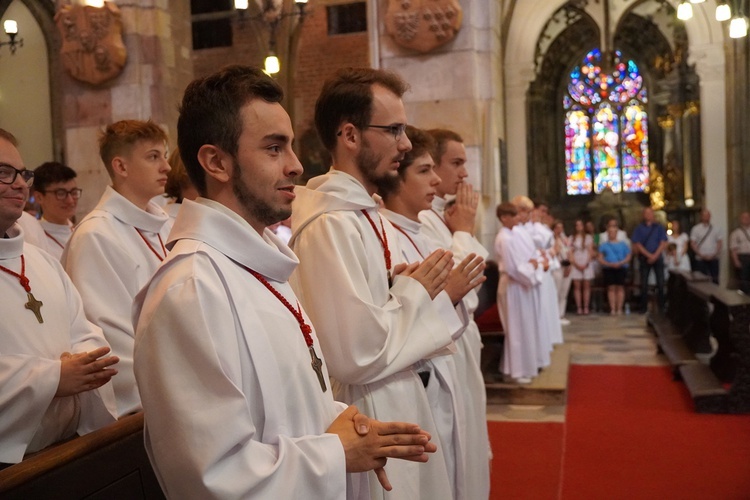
<point>462,172</point>
<point>165,166</point>
<point>294,168</point>
<point>436,180</point>
<point>403,143</point>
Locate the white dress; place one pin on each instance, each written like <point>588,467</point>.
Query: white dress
<point>468,357</point>
<point>232,406</point>
<point>682,260</point>
<point>371,333</point>
<point>109,262</point>
<point>582,256</point>
<point>32,417</point>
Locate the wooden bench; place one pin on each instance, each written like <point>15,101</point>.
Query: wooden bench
<point>110,463</point>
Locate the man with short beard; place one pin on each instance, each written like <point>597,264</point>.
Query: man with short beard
<point>376,318</point>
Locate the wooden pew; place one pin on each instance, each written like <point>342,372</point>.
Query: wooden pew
<point>110,463</point>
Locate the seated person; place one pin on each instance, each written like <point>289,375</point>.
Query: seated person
<point>54,366</point>
<point>614,257</point>
<point>57,193</point>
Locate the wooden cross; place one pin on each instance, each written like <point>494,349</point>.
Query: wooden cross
<point>317,365</point>
<point>35,306</point>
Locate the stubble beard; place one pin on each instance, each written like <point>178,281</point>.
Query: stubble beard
<point>255,207</point>
<point>367,162</point>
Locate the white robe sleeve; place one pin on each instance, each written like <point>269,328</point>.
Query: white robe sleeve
<point>186,358</point>
<point>105,276</point>
<point>517,264</point>
<point>365,337</point>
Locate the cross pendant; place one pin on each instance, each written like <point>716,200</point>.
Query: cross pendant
<point>35,306</point>
<point>317,366</point>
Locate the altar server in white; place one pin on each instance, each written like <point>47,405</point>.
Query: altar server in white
<point>57,193</point>
<point>411,192</point>
<point>54,366</point>
<point>117,247</point>
<point>451,226</point>
<point>520,274</point>
<point>376,318</point>
<point>235,389</point>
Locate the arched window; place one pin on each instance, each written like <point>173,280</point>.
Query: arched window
<point>606,127</point>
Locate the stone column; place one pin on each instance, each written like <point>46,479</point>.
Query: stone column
<point>157,35</point>
<point>517,80</point>
<point>456,86</point>
<point>710,67</point>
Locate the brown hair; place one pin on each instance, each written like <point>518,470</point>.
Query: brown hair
<point>177,178</point>
<point>347,97</point>
<point>120,137</point>
<point>506,208</point>
<point>442,137</point>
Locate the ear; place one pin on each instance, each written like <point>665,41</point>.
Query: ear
<point>215,162</point>
<point>350,136</point>
<point>119,168</point>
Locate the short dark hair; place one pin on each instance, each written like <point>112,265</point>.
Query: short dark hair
<point>52,172</point>
<point>347,97</point>
<point>442,136</point>
<point>421,143</point>
<point>210,113</point>
<point>506,208</point>
<point>4,134</point>
<point>120,137</point>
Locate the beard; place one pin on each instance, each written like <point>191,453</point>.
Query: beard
<point>367,161</point>
<point>258,209</point>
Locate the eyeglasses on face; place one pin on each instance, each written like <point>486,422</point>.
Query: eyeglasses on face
<point>8,174</point>
<point>61,193</point>
<point>397,129</point>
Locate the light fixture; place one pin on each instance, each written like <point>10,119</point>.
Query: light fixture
<point>94,3</point>
<point>738,27</point>
<point>723,12</point>
<point>697,1</point>
<point>684,11</point>
<point>271,15</point>
<point>271,65</point>
<point>11,29</point>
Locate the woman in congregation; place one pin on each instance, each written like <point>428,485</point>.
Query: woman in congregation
<point>582,274</point>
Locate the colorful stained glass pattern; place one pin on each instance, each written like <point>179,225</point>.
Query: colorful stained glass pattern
<point>606,127</point>
<point>635,148</point>
<point>606,140</point>
<point>577,152</point>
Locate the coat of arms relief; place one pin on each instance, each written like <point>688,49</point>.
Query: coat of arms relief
<point>423,25</point>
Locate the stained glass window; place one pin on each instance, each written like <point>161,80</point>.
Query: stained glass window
<point>606,127</point>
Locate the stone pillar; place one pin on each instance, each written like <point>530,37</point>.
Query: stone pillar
<point>457,86</point>
<point>157,35</point>
<point>517,79</point>
<point>710,67</point>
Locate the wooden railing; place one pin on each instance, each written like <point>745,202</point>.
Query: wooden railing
<point>108,463</point>
<point>697,310</point>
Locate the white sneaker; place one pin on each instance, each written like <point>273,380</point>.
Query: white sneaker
<point>564,321</point>
<point>522,380</point>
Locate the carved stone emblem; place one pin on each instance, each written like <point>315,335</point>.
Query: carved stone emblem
<point>92,47</point>
<point>423,25</point>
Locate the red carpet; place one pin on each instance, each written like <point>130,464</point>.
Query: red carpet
<point>630,433</point>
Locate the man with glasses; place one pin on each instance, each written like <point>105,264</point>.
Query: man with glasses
<point>57,193</point>
<point>55,368</point>
<point>374,316</point>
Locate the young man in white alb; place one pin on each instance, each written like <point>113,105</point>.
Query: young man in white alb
<point>376,318</point>
<point>117,247</point>
<point>57,193</point>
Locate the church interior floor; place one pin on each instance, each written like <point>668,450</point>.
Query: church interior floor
<point>596,339</point>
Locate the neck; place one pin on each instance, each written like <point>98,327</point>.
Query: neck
<point>61,220</point>
<point>349,166</point>
<point>132,196</point>
<point>397,206</point>
<point>227,198</point>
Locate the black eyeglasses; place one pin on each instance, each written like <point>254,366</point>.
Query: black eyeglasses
<point>61,193</point>
<point>8,174</point>
<point>396,129</point>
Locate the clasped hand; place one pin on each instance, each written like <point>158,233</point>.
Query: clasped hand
<point>85,371</point>
<point>432,272</point>
<point>368,443</point>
